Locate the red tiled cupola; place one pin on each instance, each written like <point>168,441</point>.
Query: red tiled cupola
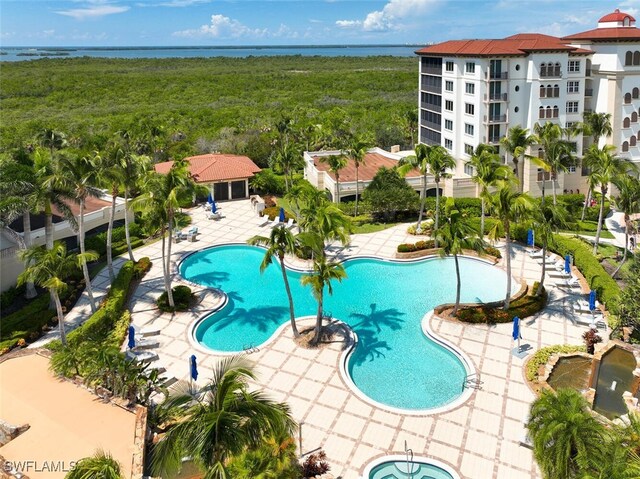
<point>617,16</point>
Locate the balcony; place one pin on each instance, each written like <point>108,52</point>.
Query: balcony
<point>586,110</point>
<point>495,119</point>
<point>431,88</point>
<point>555,73</point>
<point>494,140</point>
<point>498,75</point>
<point>588,92</point>
<point>496,97</point>
<point>429,70</point>
<point>587,72</point>
<point>431,107</point>
<point>546,176</point>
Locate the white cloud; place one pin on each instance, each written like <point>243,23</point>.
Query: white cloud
<point>96,10</point>
<point>173,3</point>
<point>222,27</point>
<point>390,16</point>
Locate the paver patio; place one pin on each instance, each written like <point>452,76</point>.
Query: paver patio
<point>480,438</point>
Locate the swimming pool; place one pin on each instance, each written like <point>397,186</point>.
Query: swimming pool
<point>398,467</point>
<point>382,301</point>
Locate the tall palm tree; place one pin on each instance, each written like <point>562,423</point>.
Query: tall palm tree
<point>455,235</point>
<point>418,160</point>
<point>50,268</point>
<point>439,161</point>
<point>516,143</point>
<point>288,159</point>
<point>488,170</point>
<point>336,163</point>
<point>53,140</point>
<point>627,201</point>
<point>280,243</point>
<point>547,219</point>
<point>218,422</point>
<point>558,157</point>
<point>79,176</point>
<point>605,167</point>
<point>509,207</point>
<point>356,151</point>
<point>324,272</point>
<point>567,439</point>
<point>99,466</point>
<point>549,136</point>
<point>597,125</point>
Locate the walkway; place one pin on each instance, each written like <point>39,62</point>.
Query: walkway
<point>480,438</point>
<point>615,224</point>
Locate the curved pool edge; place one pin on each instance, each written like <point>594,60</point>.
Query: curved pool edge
<point>430,334</point>
<point>368,469</point>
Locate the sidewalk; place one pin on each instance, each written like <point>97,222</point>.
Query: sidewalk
<point>615,224</point>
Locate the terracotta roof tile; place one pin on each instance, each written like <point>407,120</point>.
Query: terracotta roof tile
<point>616,16</point>
<point>372,163</point>
<point>215,167</point>
<point>607,34</point>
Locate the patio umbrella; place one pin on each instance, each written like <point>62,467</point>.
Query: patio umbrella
<point>531,238</point>
<point>209,198</point>
<point>592,300</point>
<point>214,208</point>
<point>282,217</point>
<point>194,367</point>
<point>132,338</point>
<point>567,264</point>
<point>516,330</point>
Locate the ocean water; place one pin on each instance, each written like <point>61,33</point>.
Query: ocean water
<point>384,302</point>
<point>33,53</point>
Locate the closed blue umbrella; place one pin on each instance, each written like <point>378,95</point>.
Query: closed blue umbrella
<point>531,238</point>
<point>282,217</point>
<point>194,367</point>
<point>516,331</point>
<point>132,337</point>
<point>567,264</point>
<point>214,208</point>
<point>209,198</point>
<point>592,300</point>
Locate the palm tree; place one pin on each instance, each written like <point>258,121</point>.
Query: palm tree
<point>324,272</point>
<point>567,439</point>
<point>627,201</point>
<point>454,236</point>
<point>99,466</point>
<point>417,160</point>
<point>218,422</point>
<point>558,157</point>
<point>439,162</point>
<point>597,125</point>
<point>516,143</point>
<point>549,136</point>
<point>336,163</point>
<point>605,167</point>
<point>356,151</point>
<point>488,170</point>
<point>52,139</point>
<point>280,243</point>
<point>288,159</point>
<point>50,268</point>
<point>79,176</point>
<point>547,219</point>
<point>509,207</point>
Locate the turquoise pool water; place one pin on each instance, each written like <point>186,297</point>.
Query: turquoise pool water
<point>416,470</point>
<point>384,302</point>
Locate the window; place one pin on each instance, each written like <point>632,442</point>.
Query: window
<point>469,88</point>
<point>541,112</point>
<point>517,68</point>
<point>574,66</point>
<point>468,129</point>
<point>448,105</point>
<point>517,88</point>
<point>468,169</point>
<point>448,85</point>
<point>568,125</point>
<point>468,149</point>
<point>573,87</point>
<point>448,144</point>
<point>572,169</point>
<point>516,109</point>
<point>572,107</point>
<point>448,66</point>
<point>470,67</point>
<point>448,125</point>
<point>469,108</point>
<point>430,117</point>
<point>628,59</point>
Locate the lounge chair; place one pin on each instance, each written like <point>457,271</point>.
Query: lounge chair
<point>582,306</point>
<point>559,274</point>
<point>589,320</point>
<point>276,222</point>
<point>213,216</point>
<point>536,254</point>
<point>193,230</point>
<point>290,223</point>
<point>548,260</point>
<point>568,283</point>
<point>142,356</point>
<point>177,237</point>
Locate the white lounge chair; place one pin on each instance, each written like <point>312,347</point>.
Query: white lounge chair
<point>213,216</point>
<point>146,343</point>
<point>276,222</point>
<point>536,254</point>
<point>559,274</point>
<point>549,261</point>
<point>142,356</point>
<point>193,230</point>
<point>290,223</point>
<point>582,306</point>
<point>568,283</point>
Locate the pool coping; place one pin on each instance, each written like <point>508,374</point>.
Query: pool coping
<point>366,473</point>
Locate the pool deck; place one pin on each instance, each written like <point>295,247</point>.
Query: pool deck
<point>480,439</point>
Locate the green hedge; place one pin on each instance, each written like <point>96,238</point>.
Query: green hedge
<point>524,307</point>
<point>489,223</point>
<point>9,296</point>
<point>98,242</point>
<point>420,245</point>
<point>182,298</point>
<point>541,357</point>
<point>274,212</point>
<point>471,206</point>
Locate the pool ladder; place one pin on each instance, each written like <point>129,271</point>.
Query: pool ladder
<point>250,349</point>
<point>409,453</point>
<point>472,381</point>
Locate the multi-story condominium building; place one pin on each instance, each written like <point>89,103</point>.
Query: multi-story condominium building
<point>473,91</point>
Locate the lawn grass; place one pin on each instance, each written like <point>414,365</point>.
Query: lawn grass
<point>373,227</point>
<point>603,234</point>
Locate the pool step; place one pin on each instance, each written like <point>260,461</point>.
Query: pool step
<point>472,381</point>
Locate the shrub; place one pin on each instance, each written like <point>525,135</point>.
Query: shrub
<point>141,268</point>
<point>315,465</point>
<point>10,295</point>
<point>471,206</point>
<point>274,211</point>
<point>121,248</point>
<point>182,298</point>
<point>406,248</point>
<point>524,307</point>
<point>489,223</point>
<point>268,182</point>
<point>98,242</point>
<point>573,203</point>
<point>425,225</point>
<point>541,357</point>
<point>495,252</point>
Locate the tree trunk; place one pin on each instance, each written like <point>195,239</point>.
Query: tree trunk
<point>437,225</point>
<point>167,271</point>
<point>520,177</point>
<point>507,298</point>
<point>600,220</point>
<point>422,201</point>
<point>356,189</point>
<point>163,232</point>
<point>587,200</point>
<point>26,228</point>
<point>48,236</point>
<point>544,183</point>
<point>126,222</point>
<point>56,299</point>
<point>112,213</point>
<point>553,184</point>
<point>455,308</point>
<point>482,218</point>
<point>544,265</point>
<point>292,315</point>
<point>626,244</point>
<point>338,187</point>
<point>516,172</point>
<point>318,329</point>
<point>85,269</point>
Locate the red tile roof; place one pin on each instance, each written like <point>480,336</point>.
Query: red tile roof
<point>216,167</point>
<point>367,170</point>
<point>607,34</point>
<point>616,16</point>
<point>515,45</point>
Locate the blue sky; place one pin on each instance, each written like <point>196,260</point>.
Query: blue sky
<point>277,22</point>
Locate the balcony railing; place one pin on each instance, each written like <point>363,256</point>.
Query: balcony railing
<point>495,97</point>
<point>588,92</point>
<point>546,176</point>
<point>586,110</point>
<point>587,72</point>
<point>498,75</point>
<point>495,118</point>
<point>431,107</point>
<point>494,139</point>
<point>554,73</point>
<point>432,70</point>
<point>431,88</point>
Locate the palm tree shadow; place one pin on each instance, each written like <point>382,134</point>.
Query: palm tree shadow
<point>211,279</point>
<point>259,317</point>
<point>369,327</point>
